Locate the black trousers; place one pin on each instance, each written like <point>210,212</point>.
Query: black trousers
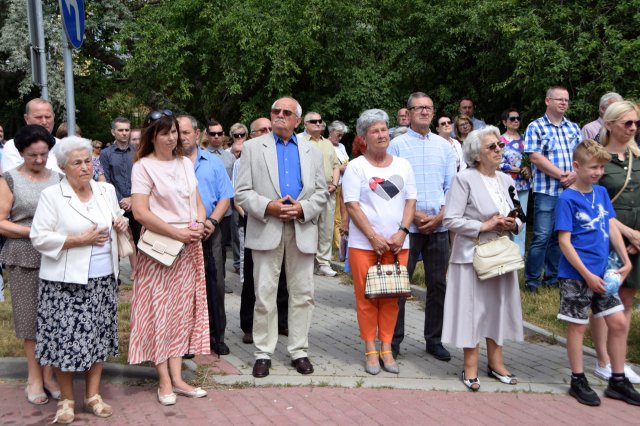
<point>212,251</point>
<point>135,226</point>
<point>434,249</point>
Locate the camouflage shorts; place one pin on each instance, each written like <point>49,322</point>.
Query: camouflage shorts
<point>576,298</point>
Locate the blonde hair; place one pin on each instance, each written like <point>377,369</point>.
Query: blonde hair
<point>589,149</point>
<point>613,113</point>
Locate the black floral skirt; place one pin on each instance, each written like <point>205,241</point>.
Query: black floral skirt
<point>77,324</point>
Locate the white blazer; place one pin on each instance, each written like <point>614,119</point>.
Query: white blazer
<point>60,213</point>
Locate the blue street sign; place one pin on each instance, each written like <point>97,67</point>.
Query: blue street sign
<point>73,19</point>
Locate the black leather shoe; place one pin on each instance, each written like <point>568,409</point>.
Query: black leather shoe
<point>261,368</point>
<point>438,351</point>
<point>188,356</point>
<point>247,338</point>
<point>302,365</point>
<point>283,331</point>
<point>221,348</point>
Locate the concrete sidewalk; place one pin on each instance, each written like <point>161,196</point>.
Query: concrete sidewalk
<point>339,392</point>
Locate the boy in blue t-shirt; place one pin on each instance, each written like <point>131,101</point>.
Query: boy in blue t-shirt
<point>584,217</point>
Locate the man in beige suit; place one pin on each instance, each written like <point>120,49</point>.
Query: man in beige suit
<point>282,188</point>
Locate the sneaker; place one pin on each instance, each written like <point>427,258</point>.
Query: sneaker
<point>603,373</point>
<point>326,271</point>
<point>633,377</point>
<point>581,391</point>
<point>623,390</point>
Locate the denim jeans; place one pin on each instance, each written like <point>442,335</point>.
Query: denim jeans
<point>544,251</point>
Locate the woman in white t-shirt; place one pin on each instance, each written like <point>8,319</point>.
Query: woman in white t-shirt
<point>380,193</point>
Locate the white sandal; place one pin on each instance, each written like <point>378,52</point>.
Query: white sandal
<point>65,414</point>
<point>100,408</point>
<point>472,384</point>
<point>36,398</point>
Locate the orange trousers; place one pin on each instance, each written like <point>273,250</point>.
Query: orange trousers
<point>373,314</point>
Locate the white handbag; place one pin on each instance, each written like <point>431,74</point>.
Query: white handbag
<point>497,257</point>
<point>160,247</point>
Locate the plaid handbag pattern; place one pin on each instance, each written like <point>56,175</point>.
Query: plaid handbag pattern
<point>387,281</point>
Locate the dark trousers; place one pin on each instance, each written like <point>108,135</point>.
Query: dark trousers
<point>248,296</point>
<point>135,226</point>
<point>212,249</point>
<point>434,249</point>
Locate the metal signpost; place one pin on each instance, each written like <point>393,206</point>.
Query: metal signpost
<point>36,47</point>
<point>73,23</point>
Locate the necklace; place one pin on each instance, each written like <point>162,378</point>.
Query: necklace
<point>593,197</point>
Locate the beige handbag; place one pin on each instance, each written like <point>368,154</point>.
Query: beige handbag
<point>387,281</point>
<point>125,245</point>
<point>160,247</point>
<point>497,257</point>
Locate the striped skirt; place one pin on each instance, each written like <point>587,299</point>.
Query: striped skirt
<point>169,316</point>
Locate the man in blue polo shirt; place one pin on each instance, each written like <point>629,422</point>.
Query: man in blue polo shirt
<point>549,141</point>
<point>216,191</point>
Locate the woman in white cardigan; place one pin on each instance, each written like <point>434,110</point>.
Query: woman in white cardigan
<point>479,206</point>
<point>74,228</point>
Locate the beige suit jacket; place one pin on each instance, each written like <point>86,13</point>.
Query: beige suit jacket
<point>468,204</point>
<point>258,183</point>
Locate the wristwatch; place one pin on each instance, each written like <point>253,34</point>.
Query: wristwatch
<point>402,228</point>
<point>213,221</point>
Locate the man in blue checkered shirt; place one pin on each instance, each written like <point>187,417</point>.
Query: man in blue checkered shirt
<point>434,165</point>
<point>549,141</point>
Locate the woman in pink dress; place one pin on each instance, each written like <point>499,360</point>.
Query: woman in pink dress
<point>169,316</point>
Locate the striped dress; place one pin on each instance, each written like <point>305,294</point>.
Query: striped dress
<point>169,316</point>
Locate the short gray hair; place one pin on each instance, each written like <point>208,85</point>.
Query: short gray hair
<point>608,98</point>
<point>237,126</point>
<point>399,131</point>
<point>370,117</point>
<point>298,107</point>
<point>416,95</point>
<point>473,143</point>
<point>67,145</point>
<point>338,126</point>
<point>191,118</point>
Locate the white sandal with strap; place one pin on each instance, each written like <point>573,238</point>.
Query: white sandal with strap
<point>99,408</point>
<point>65,414</point>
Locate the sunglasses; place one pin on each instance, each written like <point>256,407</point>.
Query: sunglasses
<point>156,115</point>
<point>215,133</point>
<point>420,108</point>
<point>495,145</point>
<point>627,124</point>
<point>515,118</point>
<point>318,121</point>
<point>285,112</point>
<point>262,130</point>
<point>445,123</point>
<point>239,135</point>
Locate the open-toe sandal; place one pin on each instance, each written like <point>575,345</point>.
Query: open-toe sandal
<point>509,379</point>
<point>55,394</point>
<point>371,369</point>
<point>97,406</point>
<point>65,414</point>
<point>472,384</point>
<point>36,398</point>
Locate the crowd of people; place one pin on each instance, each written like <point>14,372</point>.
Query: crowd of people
<point>285,203</point>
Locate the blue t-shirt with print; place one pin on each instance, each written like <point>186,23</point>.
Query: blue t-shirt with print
<point>589,227</point>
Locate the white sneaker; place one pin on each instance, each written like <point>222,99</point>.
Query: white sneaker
<point>326,271</point>
<point>631,375</point>
<point>603,373</point>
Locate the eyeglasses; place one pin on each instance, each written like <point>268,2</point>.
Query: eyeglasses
<point>464,124</point>
<point>445,123</point>
<point>318,121</point>
<point>239,135</point>
<point>561,100</point>
<point>421,108</point>
<point>262,130</point>
<point>285,112</point>
<point>215,133</point>
<point>515,118</point>
<point>627,124</point>
<point>156,115</point>
<point>495,145</point>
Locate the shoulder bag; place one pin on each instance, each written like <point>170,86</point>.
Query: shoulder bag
<point>628,178</point>
<point>125,245</point>
<point>387,281</point>
<point>161,248</point>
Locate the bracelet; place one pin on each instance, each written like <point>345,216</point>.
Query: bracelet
<point>402,228</point>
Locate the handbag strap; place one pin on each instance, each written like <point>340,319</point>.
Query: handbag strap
<point>186,177</point>
<point>626,181</point>
<point>396,262</point>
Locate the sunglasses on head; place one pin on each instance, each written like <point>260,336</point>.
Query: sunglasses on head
<point>495,145</point>
<point>156,115</point>
<point>514,118</point>
<point>318,121</point>
<point>627,124</point>
<point>262,130</point>
<point>239,135</point>
<point>215,133</point>
<point>285,112</point>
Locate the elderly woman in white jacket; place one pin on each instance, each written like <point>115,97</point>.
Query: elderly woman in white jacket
<point>74,228</point>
